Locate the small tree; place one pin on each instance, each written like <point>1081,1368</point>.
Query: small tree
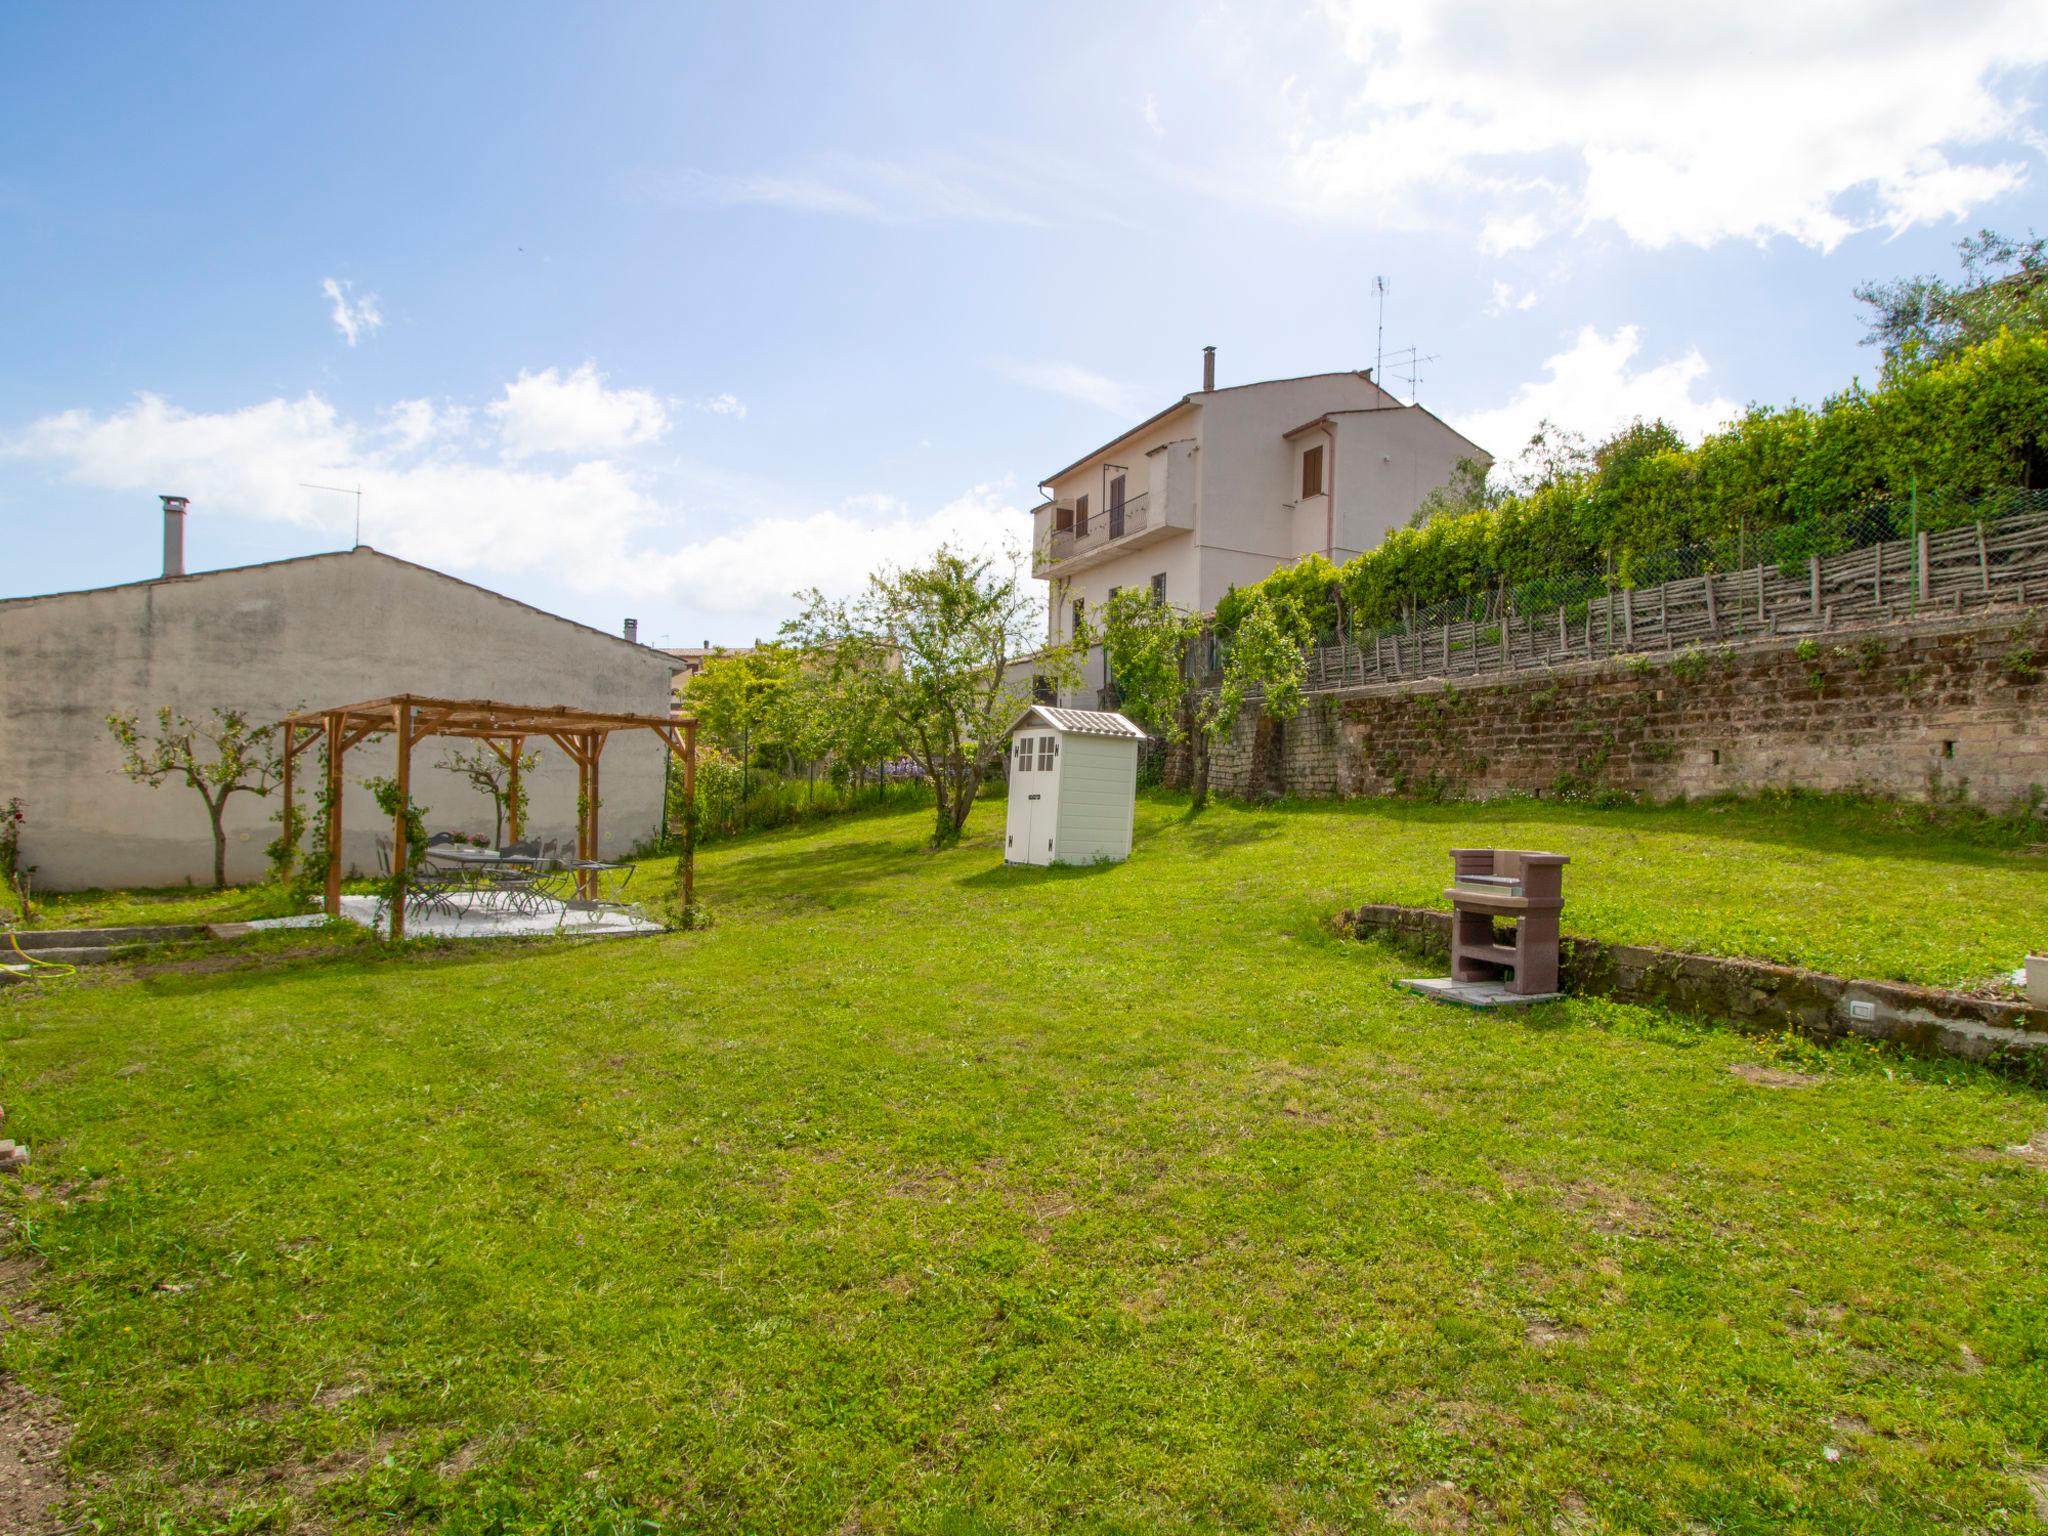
<point>926,648</point>
<point>739,699</point>
<point>490,774</point>
<point>1149,644</point>
<point>222,758</point>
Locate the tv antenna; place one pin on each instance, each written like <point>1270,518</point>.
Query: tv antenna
<point>1379,340</point>
<point>343,490</point>
<point>1411,359</point>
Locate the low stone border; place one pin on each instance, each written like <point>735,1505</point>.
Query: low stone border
<point>1752,995</point>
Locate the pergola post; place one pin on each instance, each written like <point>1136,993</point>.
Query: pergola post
<point>285,834</point>
<point>335,749</point>
<point>689,813</point>
<point>400,841</point>
<point>512,793</point>
<point>596,739</point>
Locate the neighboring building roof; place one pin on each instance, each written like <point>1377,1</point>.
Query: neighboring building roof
<point>332,554</point>
<point>1081,722</point>
<point>1374,410</point>
<point>702,652</point>
<point>1124,436</point>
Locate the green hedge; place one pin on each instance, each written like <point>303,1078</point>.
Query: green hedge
<point>1778,483</point>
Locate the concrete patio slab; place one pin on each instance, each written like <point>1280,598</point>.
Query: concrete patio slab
<point>474,920</point>
<point>1471,994</point>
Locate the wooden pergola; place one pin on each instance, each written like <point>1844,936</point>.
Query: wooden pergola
<point>506,728</point>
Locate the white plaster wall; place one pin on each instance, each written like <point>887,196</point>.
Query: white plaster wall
<point>331,629</point>
<point>1387,462</point>
<point>1250,472</point>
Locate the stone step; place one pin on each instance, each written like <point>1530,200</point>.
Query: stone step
<point>75,954</point>
<point>39,939</point>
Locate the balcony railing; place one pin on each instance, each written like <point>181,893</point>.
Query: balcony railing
<point>1104,527</point>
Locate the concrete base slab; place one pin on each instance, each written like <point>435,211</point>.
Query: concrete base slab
<point>1471,994</point>
<point>473,920</point>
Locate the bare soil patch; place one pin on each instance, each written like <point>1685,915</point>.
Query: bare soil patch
<point>1772,1077</point>
<point>32,1432</point>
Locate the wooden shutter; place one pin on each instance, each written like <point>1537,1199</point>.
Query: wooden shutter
<point>1312,471</point>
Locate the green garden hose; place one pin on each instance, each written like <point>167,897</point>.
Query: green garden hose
<point>38,967</point>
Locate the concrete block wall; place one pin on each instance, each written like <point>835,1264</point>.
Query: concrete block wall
<point>1954,709</point>
<point>270,639</point>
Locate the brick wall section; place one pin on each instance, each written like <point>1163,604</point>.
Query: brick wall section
<point>1755,996</point>
<point>1955,708</point>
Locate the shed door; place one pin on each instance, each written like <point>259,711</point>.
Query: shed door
<point>1042,805</point>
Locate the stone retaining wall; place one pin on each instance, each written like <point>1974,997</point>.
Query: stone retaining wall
<point>1951,710</point>
<point>1755,996</point>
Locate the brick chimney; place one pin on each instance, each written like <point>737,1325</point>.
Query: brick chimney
<point>1208,368</point>
<point>632,631</point>
<point>174,534</point>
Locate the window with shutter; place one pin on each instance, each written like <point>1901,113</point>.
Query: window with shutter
<point>1080,517</point>
<point>1159,588</point>
<point>1312,471</point>
<point>1063,519</point>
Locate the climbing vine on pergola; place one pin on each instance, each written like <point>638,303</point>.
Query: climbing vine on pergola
<point>506,729</point>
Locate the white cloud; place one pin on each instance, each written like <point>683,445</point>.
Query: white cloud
<point>1593,388</point>
<point>755,568</point>
<point>1506,298</point>
<point>1077,383</point>
<point>355,316</point>
<point>1150,112</point>
<point>1675,124</point>
<point>724,405</point>
<point>415,423</point>
<point>552,412</point>
<point>1504,234</point>
<point>596,524</point>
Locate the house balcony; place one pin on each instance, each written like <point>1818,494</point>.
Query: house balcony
<point>1146,518</point>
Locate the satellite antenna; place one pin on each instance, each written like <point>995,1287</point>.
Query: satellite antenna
<point>1379,341</point>
<point>342,490</point>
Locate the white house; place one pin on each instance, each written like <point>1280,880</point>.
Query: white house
<point>1227,485</point>
<point>1073,786</point>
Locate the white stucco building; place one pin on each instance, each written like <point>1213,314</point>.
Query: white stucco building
<point>1226,485</point>
<point>270,639</point>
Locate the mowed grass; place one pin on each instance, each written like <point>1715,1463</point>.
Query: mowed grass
<point>925,1195</point>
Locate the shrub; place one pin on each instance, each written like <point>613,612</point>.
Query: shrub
<point>730,801</point>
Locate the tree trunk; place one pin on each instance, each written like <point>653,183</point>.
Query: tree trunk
<point>214,810</point>
<point>1198,743</point>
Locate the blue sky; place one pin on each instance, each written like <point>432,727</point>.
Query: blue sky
<point>668,310</point>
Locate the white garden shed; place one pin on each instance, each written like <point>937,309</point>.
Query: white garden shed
<point>1073,786</point>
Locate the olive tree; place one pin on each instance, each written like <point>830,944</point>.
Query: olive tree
<point>490,774</point>
<point>925,649</point>
<point>226,756</point>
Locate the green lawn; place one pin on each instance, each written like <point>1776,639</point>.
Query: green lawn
<point>920,1194</point>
